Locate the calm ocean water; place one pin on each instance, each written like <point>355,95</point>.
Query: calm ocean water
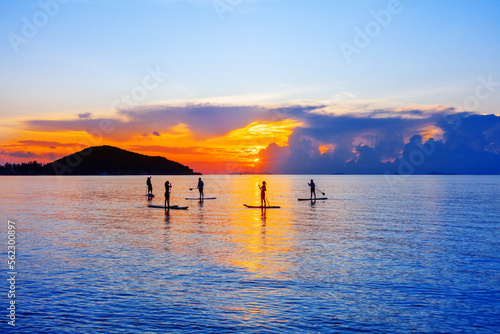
<point>420,255</point>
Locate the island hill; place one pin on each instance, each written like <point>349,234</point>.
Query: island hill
<point>103,160</point>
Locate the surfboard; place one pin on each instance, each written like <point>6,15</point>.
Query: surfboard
<point>150,195</point>
<point>312,200</point>
<point>197,199</point>
<point>173,207</point>
<point>261,207</point>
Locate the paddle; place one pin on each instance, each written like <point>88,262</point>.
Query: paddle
<point>320,191</point>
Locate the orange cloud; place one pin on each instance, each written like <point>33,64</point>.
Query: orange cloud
<point>431,131</point>
<point>277,132</point>
<point>233,152</point>
<point>326,148</point>
<point>224,139</point>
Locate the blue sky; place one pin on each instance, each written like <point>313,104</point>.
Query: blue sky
<point>276,51</point>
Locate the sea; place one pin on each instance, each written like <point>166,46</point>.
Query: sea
<point>384,254</point>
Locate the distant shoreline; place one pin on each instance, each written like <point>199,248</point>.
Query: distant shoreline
<point>101,160</point>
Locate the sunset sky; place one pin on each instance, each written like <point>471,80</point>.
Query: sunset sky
<point>218,84</point>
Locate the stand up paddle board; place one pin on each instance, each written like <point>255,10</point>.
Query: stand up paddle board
<point>261,207</point>
<point>173,207</point>
<point>197,199</point>
<point>150,195</point>
<point>312,199</point>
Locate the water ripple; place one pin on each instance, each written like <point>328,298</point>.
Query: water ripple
<point>422,256</point>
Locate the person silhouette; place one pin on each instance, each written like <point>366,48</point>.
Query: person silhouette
<point>168,186</point>
<point>313,189</point>
<point>200,188</point>
<point>150,186</point>
<point>263,189</point>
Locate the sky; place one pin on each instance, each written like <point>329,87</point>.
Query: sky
<point>283,86</point>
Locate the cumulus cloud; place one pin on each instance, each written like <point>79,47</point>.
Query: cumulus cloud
<point>391,144</point>
<point>377,141</point>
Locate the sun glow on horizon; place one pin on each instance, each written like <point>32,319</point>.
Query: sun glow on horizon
<point>218,154</point>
